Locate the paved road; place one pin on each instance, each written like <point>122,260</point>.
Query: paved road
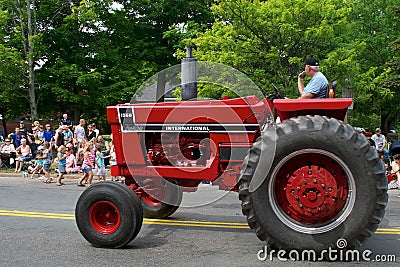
<point>37,228</point>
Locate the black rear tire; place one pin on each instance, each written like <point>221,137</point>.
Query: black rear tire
<point>109,215</point>
<point>315,218</point>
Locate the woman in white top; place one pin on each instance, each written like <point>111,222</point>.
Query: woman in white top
<point>23,154</point>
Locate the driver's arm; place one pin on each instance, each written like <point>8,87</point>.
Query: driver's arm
<point>307,95</point>
<point>300,83</point>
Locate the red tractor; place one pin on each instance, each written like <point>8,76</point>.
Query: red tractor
<point>303,183</point>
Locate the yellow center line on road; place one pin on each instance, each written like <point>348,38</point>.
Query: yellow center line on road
<point>186,223</point>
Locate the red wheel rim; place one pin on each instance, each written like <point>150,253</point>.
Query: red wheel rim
<point>312,191</point>
<point>105,217</point>
<point>152,196</point>
<point>153,193</point>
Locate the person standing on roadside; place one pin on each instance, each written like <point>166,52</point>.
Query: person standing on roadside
<point>79,133</point>
<point>68,136</point>
<point>62,161</point>
<point>95,129</point>
<point>100,171</point>
<point>65,121</point>
<point>39,135</point>
<point>90,134</point>
<point>89,162</point>
<point>59,138</point>
<point>26,131</point>
<point>35,127</point>
<point>113,160</point>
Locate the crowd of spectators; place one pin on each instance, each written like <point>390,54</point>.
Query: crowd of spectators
<point>68,148</point>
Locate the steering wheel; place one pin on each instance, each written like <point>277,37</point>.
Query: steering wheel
<point>278,92</point>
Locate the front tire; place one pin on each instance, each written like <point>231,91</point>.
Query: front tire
<point>325,183</point>
<point>109,215</point>
<point>160,203</point>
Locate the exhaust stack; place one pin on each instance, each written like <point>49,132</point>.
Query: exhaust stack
<point>189,75</point>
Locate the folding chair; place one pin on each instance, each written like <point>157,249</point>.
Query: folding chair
<point>6,160</point>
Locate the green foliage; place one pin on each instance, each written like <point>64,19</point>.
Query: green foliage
<point>99,53</point>
<point>91,54</point>
<point>269,41</point>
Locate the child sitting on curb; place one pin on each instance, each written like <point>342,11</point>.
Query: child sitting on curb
<point>47,163</point>
<point>39,161</point>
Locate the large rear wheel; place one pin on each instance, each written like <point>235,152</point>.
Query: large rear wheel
<point>325,183</point>
<point>109,215</point>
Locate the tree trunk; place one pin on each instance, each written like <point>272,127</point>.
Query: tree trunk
<point>76,114</point>
<point>31,63</point>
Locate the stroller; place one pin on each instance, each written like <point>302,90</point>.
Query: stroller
<point>394,149</point>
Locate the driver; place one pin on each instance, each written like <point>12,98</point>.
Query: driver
<point>318,85</point>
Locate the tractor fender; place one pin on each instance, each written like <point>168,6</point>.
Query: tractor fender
<point>330,107</point>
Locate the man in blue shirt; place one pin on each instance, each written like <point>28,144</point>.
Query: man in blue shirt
<point>318,85</point>
<point>48,134</point>
<point>17,136</point>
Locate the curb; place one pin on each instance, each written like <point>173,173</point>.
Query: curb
<point>16,175</point>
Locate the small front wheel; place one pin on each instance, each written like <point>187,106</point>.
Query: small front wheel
<point>161,202</point>
<point>109,215</point>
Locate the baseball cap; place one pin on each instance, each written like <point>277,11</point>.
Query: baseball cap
<point>21,122</point>
<point>40,148</point>
<point>7,140</point>
<point>378,129</point>
<point>312,62</point>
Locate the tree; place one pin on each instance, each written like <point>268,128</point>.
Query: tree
<point>98,53</point>
<point>12,68</point>
<point>269,41</point>
<point>80,56</point>
<point>22,34</point>
<point>376,25</point>
<point>10,72</point>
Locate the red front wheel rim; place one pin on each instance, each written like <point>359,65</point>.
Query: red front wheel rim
<point>312,191</point>
<point>151,197</point>
<point>105,217</point>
